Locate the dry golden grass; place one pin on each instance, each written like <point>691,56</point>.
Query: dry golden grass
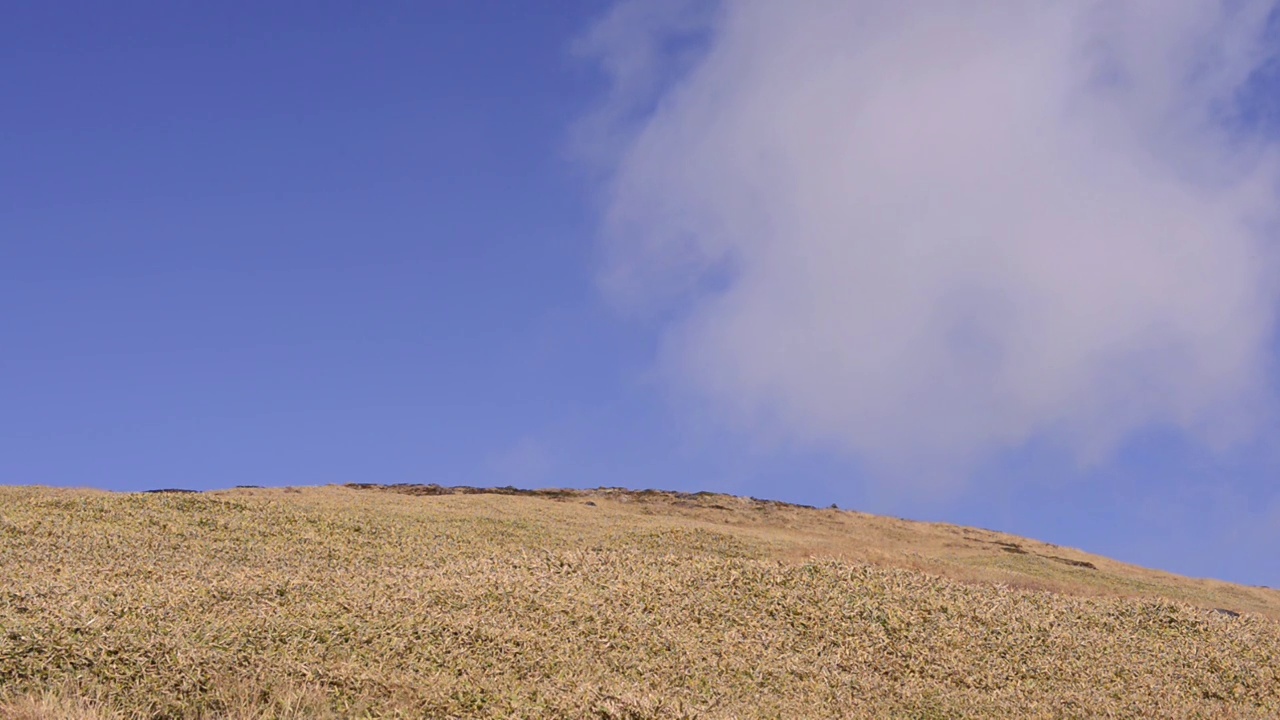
<point>342,602</point>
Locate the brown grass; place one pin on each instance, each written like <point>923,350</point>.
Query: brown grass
<point>344,602</point>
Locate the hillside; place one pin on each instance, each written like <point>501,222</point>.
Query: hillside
<point>420,601</point>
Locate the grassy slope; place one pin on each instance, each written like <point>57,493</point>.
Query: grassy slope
<point>340,602</point>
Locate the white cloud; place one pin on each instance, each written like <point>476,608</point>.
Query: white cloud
<point>924,232</point>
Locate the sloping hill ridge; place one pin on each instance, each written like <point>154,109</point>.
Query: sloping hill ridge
<point>424,601</point>
<point>956,552</point>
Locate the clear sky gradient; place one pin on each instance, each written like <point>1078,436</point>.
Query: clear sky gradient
<point>307,243</point>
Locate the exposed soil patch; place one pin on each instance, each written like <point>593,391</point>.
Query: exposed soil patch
<point>1073,563</point>
<point>1017,549</point>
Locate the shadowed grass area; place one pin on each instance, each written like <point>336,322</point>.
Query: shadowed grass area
<point>414,602</point>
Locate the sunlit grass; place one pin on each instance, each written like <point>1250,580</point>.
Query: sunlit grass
<point>337,602</point>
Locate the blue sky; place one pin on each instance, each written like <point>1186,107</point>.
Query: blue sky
<point>311,243</point>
